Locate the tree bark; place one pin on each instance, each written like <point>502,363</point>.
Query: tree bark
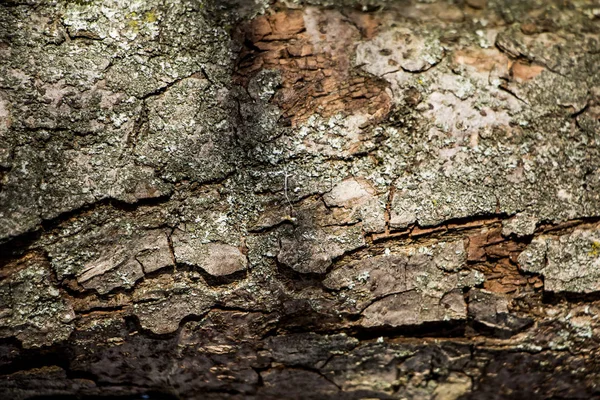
<point>302,200</point>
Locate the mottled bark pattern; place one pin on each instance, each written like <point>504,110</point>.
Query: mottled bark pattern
<point>318,199</point>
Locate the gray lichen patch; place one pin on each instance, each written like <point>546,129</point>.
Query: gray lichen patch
<point>214,213</point>
<point>429,199</point>
<point>72,166</point>
<point>187,138</point>
<point>520,225</point>
<point>32,309</point>
<point>569,263</point>
<point>515,176</point>
<point>85,76</point>
<point>563,91</point>
<point>113,22</point>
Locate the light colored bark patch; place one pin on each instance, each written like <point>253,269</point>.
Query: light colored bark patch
<point>409,287</point>
<point>408,308</point>
<point>360,197</point>
<point>399,48</point>
<point>217,259</point>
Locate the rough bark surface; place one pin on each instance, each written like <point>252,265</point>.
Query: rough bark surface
<point>304,199</point>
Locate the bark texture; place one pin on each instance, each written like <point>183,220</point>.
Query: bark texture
<point>300,200</point>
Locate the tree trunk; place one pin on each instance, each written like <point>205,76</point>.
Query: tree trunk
<point>300,200</point>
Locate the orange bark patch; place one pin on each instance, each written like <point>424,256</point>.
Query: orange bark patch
<point>496,256</point>
<point>504,277</point>
<point>483,60</point>
<point>523,72</point>
<point>312,51</point>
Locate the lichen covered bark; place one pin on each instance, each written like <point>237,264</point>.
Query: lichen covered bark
<point>300,199</point>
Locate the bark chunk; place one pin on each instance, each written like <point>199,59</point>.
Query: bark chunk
<point>218,259</point>
<point>569,263</point>
<point>417,285</point>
